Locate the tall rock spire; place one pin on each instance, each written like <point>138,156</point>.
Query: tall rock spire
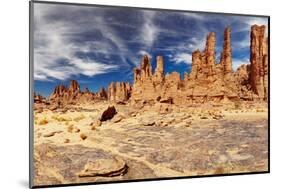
<point>196,64</point>
<point>74,87</point>
<point>226,55</point>
<point>259,61</point>
<point>158,76</point>
<point>204,63</point>
<point>210,50</point>
<point>111,91</point>
<point>146,69</point>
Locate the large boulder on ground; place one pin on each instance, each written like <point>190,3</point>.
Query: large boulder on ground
<point>108,114</point>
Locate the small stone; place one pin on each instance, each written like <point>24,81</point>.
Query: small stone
<point>97,123</point>
<point>117,118</point>
<point>203,117</point>
<point>49,134</point>
<point>83,136</point>
<point>76,130</point>
<point>148,122</point>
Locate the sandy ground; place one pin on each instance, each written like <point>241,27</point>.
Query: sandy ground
<point>184,142</point>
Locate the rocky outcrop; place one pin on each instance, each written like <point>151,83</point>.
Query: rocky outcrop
<point>158,77</point>
<point>73,95</point>
<point>196,62</point>
<point>119,92</point>
<point>102,94</point>
<point>81,164</point>
<point>146,69</point>
<point>111,90</point>
<point>208,81</point>
<point>143,87</point>
<point>209,54</point>
<point>104,168</point>
<point>39,98</point>
<point>259,62</point>
<point>203,64</point>
<point>74,88</point>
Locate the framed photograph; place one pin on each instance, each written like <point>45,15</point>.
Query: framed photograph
<point>121,94</point>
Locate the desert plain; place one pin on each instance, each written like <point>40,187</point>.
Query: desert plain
<point>185,142</point>
<point>213,121</point>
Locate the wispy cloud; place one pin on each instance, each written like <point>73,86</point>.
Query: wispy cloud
<point>149,31</point>
<point>55,51</point>
<point>143,52</point>
<point>247,22</point>
<point>258,21</point>
<point>193,15</point>
<point>182,58</point>
<point>198,42</point>
<point>114,40</point>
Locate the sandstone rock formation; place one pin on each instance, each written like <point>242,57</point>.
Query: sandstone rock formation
<point>119,91</point>
<point>259,62</point>
<point>208,80</point>
<point>204,64</point>
<point>158,77</point>
<point>143,87</point>
<point>226,55</point>
<point>72,95</point>
<point>39,98</point>
<point>104,168</point>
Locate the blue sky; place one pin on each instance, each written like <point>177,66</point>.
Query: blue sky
<point>98,45</point>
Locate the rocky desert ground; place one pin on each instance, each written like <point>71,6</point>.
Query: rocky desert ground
<point>213,121</point>
<point>73,146</point>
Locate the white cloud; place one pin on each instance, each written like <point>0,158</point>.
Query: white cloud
<point>197,16</point>
<point>182,58</point>
<point>238,62</point>
<point>198,42</point>
<point>55,51</point>
<point>149,31</point>
<point>143,52</point>
<point>257,20</point>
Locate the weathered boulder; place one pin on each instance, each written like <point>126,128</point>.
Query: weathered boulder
<point>108,114</point>
<point>104,168</point>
